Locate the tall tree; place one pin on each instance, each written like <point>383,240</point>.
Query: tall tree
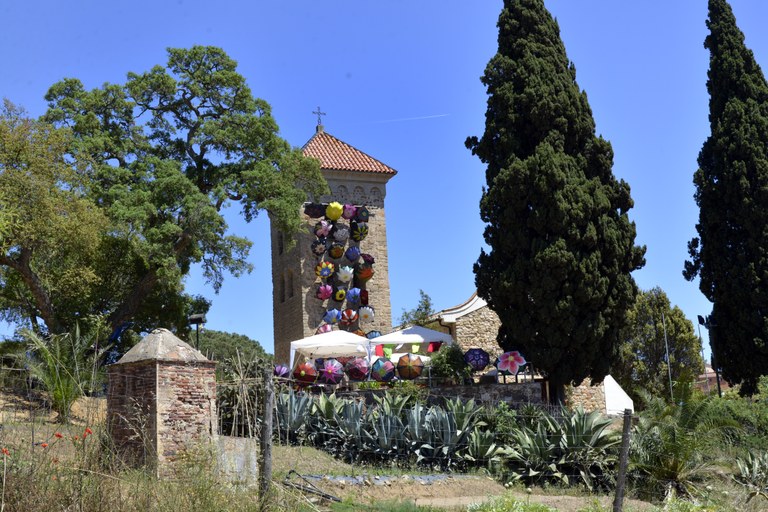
<point>730,255</point>
<point>659,344</point>
<point>561,243</point>
<point>160,157</point>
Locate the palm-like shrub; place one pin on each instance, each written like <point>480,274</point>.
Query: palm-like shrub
<point>66,365</point>
<point>671,444</point>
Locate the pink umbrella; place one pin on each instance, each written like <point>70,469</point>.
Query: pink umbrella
<point>357,369</point>
<point>331,372</point>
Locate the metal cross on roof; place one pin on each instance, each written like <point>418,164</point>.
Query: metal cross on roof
<point>318,113</point>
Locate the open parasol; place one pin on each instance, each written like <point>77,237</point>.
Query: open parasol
<point>477,359</point>
<point>331,372</point>
<point>409,366</point>
<point>509,363</point>
<point>357,369</point>
<point>305,373</point>
<point>383,370</point>
<point>282,371</point>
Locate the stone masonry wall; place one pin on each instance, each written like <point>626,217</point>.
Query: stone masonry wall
<point>131,411</point>
<point>479,329</point>
<point>186,407</point>
<point>591,398</point>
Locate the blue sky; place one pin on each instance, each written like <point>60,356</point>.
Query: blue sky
<point>400,81</point>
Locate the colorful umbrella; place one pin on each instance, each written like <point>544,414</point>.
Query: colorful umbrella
<point>348,316</point>
<point>363,273</point>
<point>409,366</point>
<point>333,211</point>
<point>319,246</point>
<point>352,254</point>
<point>477,359</point>
<point>509,363</point>
<point>314,210</point>
<point>345,274</point>
<point>373,334</point>
<point>324,292</point>
<point>336,250</point>
<point>324,269</point>
<point>331,372</point>
<point>353,296</point>
<point>282,371</point>
<point>359,231</point>
<point>365,313</point>
<point>341,233</point>
<point>305,373</point>
<point>383,370</point>
<point>357,369</point>
<point>332,316</point>
<point>362,214</point>
<point>323,228</point>
<point>324,328</point>
<point>339,293</point>
<point>349,211</point>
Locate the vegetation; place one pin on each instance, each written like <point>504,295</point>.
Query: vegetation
<point>729,255</point>
<point>561,243</point>
<point>448,364</point>
<point>421,315</point>
<point>643,365</point>
<point>130,183</point>
<point>67,366</point>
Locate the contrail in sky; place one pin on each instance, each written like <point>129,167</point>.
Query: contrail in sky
<point>411,118</point>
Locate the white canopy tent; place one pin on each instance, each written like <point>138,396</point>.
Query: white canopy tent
<point>343,343</point>
<point>329,344</point>
<point>413,335</point>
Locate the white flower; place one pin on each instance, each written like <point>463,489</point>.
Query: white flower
<point>346,274</point>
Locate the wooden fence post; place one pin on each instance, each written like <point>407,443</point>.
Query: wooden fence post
<point>618,501</point>
<point>265,452</point>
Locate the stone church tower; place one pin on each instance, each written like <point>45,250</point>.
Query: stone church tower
<point>356,179</point>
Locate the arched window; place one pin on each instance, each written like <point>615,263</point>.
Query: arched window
<point>282,288</point>
<point>280,243</point>
<point>342,193</point>
<point>290,284</point>
<point>359,195</point>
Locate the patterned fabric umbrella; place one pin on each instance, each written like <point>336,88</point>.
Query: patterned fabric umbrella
<point>373,334</point>
<point>333,211</point>
<point>331,372</point>
<point>282,371</point>
<point>383,370</point>
<point>509,363</point>
<point>305,373</point>
<point>409,366</point>
<point>357,369</point>
<point>477,359</point>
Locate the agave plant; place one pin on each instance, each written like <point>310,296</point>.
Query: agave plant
<point>353,431</point>
<point>753,475</point>
<point>391,404</point>
<point>482,449</point>
<point>589,447</point>
<point>292,410</point>
<point>534,457</point>
<point>321,424</point>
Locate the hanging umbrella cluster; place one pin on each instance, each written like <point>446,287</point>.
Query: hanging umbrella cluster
<point>342,267</point>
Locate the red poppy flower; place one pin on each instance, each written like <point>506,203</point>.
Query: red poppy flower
<point>44,445</point>
<point>5,451</point>
<point>58,435</point>
<point>88,431</point>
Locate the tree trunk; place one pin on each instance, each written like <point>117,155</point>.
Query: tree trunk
<point>556,392</point>
<point>42,299</point>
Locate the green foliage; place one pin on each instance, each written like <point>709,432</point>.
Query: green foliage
<point>729,255</point>
<point>642,361</point>
<point>753,475</point>
<point>421,314</point>
<point>133,179</point>
<point>222,346</point>
<point>561,243</point>
<point>67,365</point>
<point>411,390</point>
<point>673,445</point>
<point>448,363</point>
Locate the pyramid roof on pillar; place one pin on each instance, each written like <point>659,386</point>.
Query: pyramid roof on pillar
<point>335,154</point>
<point>162,345</point>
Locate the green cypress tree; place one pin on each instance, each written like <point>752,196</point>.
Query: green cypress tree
<point>561,243</point>
<point>730,255</point>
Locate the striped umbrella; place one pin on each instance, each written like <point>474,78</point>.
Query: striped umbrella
<point>409,366</point>
<point>383,370</point>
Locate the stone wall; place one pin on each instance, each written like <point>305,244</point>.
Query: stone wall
<point>479,329</point>
<point>186,407</point>
<point>591,398</point>
<point>131,411</point>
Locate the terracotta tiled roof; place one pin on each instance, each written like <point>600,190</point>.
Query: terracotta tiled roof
<point>336,154</point>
